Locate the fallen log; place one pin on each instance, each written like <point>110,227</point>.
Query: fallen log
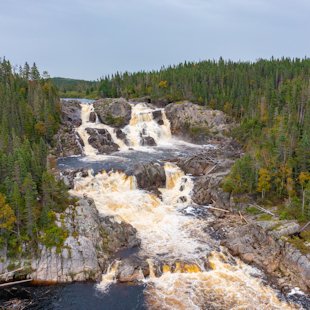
<point>304,227</point>
<point>262,209</point>
<point>15,282</point>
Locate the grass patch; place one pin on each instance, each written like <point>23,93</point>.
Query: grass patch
<point>253,211</point>
<point>265,217</point>
<point>299,243</point>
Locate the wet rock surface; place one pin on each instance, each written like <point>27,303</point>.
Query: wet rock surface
<point>101,140</point>
<point>68,175</point>
<point>255,245</point>
<point>150,176</point>
<point>148,141</point>
<point>92,117</point>
<point>256,242</point>
<point>113,112</point>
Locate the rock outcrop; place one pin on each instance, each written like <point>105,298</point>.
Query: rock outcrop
<point>92,239</point>
<point>196,123</point>
<point>148,141</point>
<point>258,246</point>
<point>68,175</point>
<point>113,112</point>
<point>101,140</point>
<point>67,140</point>
<point>150,176</point>
<point>209,168</point>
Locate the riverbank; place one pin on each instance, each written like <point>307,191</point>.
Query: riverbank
<point>160,201</point>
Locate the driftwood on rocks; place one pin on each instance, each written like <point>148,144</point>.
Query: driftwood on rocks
<point>262,209</point>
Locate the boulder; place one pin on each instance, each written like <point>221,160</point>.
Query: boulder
<point>68,142</point>
<point>150,176</point>
<point>148,141</point>
<point>71,112</point>
<point>118,234</point>
<point>132,269</point>
<point>92,117</point>
<point>113,112</point>
<point>158,117</point>
<point>196,123</point>
<point>68,176</point>
<point>101,140</point>
<point>120,134</point>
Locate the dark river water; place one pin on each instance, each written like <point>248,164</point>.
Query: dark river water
<point>80,296</point>
<point>76,296</point>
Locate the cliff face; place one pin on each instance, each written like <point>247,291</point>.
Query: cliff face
<point>86,253</point>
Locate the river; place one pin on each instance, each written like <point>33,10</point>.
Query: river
<point>196,272</point>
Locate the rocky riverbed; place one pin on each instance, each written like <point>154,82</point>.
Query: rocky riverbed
<point>159,201</point>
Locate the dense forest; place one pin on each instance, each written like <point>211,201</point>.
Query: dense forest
<point>270,99</point>
<point>72,88</point>
<point>29,194</point>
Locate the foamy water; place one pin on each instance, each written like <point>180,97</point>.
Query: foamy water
<point>195,273</point>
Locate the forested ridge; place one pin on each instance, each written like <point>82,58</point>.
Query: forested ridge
<point>29,194</point>
<point>270,99</point>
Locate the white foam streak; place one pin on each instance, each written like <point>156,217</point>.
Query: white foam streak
<point>142,124</point>
<point>162,229</point>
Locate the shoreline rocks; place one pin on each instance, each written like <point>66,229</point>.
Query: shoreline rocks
<point>196,123</point>
<point>101,140</point>
<point>67,140</point>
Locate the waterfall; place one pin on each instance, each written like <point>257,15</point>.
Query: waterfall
<point>109,277</point>
<point>142,124</point>
<point>194,275</point>
<point>86,109</point>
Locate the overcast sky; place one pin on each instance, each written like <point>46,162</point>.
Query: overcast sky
<point>90,38</point>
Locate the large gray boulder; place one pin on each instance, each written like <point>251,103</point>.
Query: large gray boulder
<point>113,112</point>
<point>196,123</point>
<point>150,176</point>
<point>101,140</point>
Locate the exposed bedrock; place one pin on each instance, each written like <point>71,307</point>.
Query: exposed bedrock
<point>259,246</point>
<point>262,243</point>
<point>71,112</point>
<point>101,140</point>
<point>87,250</point>
<point>150,176</point>
<point>67,140</point>
<point>92,117</point>
<point>68,176</point>
<point>196,123</point>
<point>147,141</point>
<point>113,112</point>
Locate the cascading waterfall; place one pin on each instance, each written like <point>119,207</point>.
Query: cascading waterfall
<point>194,275</point>
<point>142,124</point>
<point>86,109</point>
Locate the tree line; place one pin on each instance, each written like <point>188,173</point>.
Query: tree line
<point>29,194</point>
<point>270,99</point>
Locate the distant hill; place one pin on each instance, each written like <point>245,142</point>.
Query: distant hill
<point>74,88</point>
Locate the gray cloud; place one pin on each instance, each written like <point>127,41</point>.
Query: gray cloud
<point>89,38</point>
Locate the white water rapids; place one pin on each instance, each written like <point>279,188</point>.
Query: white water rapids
<point>167,234</point>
